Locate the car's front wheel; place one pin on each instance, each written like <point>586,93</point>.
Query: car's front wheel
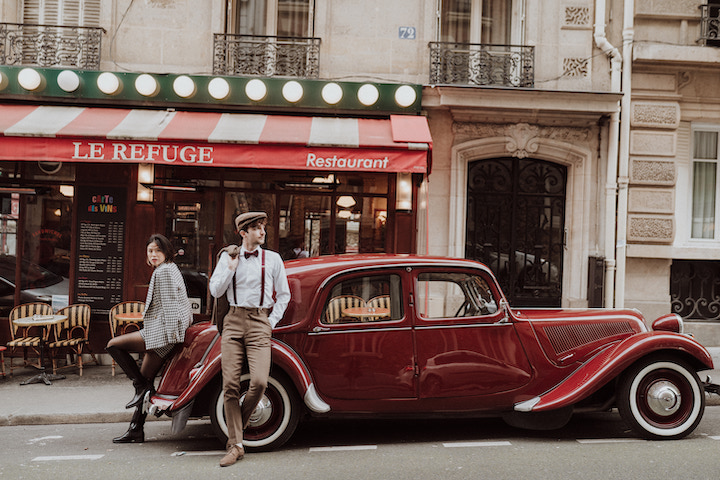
<point>661,398</point>
<point>274,420</point>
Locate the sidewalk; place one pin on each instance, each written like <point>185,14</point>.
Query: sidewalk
<point>98,397</point>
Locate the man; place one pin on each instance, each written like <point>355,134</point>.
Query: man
<point>248,276</point>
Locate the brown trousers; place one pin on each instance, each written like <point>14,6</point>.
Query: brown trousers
<point>246,334</point>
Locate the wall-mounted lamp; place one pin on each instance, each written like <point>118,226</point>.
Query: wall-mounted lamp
<point>403,194</point>
<point>146,176</point>
<point>67,190</point>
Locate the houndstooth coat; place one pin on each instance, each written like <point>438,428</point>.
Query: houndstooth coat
<point>167,308</point>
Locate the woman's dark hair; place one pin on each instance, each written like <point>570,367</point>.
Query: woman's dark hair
<point>164,246</point>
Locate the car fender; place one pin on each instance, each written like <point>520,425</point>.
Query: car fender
<point>287,359</point>
<point>611,362</point>
<point>283,356</point>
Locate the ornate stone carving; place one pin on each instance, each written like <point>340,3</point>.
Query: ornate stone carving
<point>656,115</point>
<point>652,172</point>
<point>523,139</point>
<point>577,16</point>
<point>575,67</point>
<point>650,229</point>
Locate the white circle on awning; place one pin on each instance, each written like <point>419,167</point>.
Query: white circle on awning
<point>219,88</point>
<point>146,85</point>
<point>68,81</point>
<point>292,91</point>
<point>332,93</point>
<point>184,86</point>
<point>368,94</point>
<point>29,79</point>
<point>256,90</point>
<point>405,96</point>
<point>108,83</point>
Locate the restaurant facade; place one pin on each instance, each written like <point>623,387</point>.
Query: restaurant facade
<point>84,185</point>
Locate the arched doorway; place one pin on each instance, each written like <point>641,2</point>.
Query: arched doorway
<point>515,224</point>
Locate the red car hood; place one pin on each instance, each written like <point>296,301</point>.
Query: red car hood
<point>569,336</point>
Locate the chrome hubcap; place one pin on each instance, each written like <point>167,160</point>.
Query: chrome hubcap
<point>663,398</point>
<point>262,412</point>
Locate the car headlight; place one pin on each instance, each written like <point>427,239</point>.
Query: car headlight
<point>669,323</point>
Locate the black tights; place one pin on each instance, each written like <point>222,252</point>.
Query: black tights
<point>134,342</point>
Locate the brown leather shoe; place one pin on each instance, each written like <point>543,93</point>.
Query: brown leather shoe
<point>234,454</point>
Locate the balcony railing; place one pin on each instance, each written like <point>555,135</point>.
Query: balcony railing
<point>482,64</point>
<point>50,45</point>
<point>710,25</point>
<point>266,56</point>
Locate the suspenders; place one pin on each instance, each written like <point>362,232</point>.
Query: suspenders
<point>262,282</point>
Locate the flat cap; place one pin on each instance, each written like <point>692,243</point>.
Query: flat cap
<point>243,220</point>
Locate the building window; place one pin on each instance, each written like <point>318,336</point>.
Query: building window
<point>284,18</point>
<point>704,187</point>
<point>695,289</point>
<point>476,21</point>
<point>84,13</point>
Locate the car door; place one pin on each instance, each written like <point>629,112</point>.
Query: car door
<point>361,347</point>
<point>465,345</point>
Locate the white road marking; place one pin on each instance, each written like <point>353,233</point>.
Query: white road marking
<point>610,440</point>
<point>715,437</point>
<point>67,457</point>
<point>476,444</point>
<point>199,453</point>
<point>343,448</point>
<point>42,439</point>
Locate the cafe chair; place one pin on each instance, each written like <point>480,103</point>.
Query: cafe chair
<point>27,337</point>
<point>71,336</point>
<point>335,307</point>
<point>2,359</point>
<point>383,301</point>
<point>119,327</point>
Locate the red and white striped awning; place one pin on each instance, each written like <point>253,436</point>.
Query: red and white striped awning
<point>92,134</point>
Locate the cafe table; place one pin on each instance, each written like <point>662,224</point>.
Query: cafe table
<point>44,322</point>
<point>366,313</point>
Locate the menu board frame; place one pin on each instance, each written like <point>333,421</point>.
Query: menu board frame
<point>100,246</point>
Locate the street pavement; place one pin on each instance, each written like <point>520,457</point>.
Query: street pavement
<point>99,397</point>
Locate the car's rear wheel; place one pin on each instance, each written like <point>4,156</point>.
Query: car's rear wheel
<point>661,399</point>
<point>274,420</point>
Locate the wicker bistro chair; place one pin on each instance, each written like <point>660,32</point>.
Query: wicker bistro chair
<point>71,336</point>
<point>382,301</point>
<point>336,305</point>
<point>120,327</point>
<point>27,337</point>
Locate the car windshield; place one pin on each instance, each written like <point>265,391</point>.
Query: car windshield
<point>32,275</point>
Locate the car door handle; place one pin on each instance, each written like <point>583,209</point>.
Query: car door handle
<point>321,329</point>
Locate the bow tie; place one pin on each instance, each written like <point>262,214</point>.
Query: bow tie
<point>251,254</point>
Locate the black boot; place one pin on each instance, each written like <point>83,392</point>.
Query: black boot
<point>135,433</point>
<point>130,367</point>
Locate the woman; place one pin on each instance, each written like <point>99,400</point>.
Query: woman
<point>167,315</point>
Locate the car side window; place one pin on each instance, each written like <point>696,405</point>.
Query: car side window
<point>452,295</point>
<point>370,298</point>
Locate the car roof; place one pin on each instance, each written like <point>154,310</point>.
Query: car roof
<point>333,264</point>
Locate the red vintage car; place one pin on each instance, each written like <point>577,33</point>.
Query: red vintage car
<point>412,335</point>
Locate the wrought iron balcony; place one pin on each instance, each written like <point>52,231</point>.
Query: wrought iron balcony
<point>50,45</point>
<point>482,64</point>
<point>267,56</point>
<point>710,25</point>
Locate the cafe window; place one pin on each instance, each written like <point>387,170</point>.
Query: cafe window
<point>369,298</point>
<point>452,295</point>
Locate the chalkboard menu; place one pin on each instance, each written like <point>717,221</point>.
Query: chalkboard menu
<point>100,246</point>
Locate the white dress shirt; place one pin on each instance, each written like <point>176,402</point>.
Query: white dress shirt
<point>247,282</point>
